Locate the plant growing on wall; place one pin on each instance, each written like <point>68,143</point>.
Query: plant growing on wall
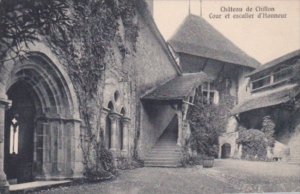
<point>207,122</point>
<point>81,33</point>
<point>84,45</point>
<point>268,128</point>
<point>254,143</point>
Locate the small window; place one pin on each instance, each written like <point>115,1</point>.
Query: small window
<point>123,112</point>
<point>210,94</point>
<point>110,106</point>
<point>116,95</point>
<point>282,74</point>
<point>261,82</point>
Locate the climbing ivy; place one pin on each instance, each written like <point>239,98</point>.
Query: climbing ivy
<point>83,45</point>
<point>82,33</point>
<point>207,122</point>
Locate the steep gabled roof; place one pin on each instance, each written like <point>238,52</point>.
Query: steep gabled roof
<point>275,62</point>
<point>177,88</point>
<point>197,37</point>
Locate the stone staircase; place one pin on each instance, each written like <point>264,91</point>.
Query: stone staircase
<point>294,160</point>
<point>165,153</point>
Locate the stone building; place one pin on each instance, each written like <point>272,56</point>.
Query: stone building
<point>199,47</point>
<point>40,120</point>
<point>275,93</point>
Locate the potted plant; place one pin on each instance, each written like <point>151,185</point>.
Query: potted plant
<point>208,161</point>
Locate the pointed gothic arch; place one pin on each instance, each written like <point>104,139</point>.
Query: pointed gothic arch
<point>55,122</point>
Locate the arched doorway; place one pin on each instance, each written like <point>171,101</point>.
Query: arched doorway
<point>48,122</point>
<point>19,147</point>
<point>225,150</point>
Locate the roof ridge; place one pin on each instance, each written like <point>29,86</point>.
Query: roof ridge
<point>196,31</point>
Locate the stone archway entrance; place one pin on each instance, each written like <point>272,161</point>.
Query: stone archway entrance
<point>225,150</point>
<point>48,137</point>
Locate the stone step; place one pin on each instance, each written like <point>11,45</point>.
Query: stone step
<point>294,160</point>
<point>161,163</point>
<point>158,151</point>
<point>165,153</point>
<point>151,154</point>
<point>165,148</point>
<point>36,186</point>
<point>171,160</point>
<point>166,142</point>
<point>168,139</point>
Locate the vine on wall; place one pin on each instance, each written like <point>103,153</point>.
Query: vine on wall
<point>207,122</point>
<point>83,45</point>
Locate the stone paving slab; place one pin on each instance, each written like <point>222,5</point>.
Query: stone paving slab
<point>23,187</point>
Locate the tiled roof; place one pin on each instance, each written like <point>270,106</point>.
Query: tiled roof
<point>197,37</point>
<point>177,88</point>
<point>276,61</point>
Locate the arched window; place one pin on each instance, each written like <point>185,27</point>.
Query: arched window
<point>123,112</point>
<point>116,95</point>
<point>110,106</point>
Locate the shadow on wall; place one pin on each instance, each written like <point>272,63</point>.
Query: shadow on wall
<point>172,128</point>
<point>155,119</point>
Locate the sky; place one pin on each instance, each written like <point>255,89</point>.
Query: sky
<point>264,39</point>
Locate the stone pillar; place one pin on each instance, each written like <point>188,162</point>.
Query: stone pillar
<point>114,117</point>
<point>180,128</point>
<point>240,151</point>
<point>103,124</point>
<point>76,151</point>
<point>126,122</point>
<point>4,186</point>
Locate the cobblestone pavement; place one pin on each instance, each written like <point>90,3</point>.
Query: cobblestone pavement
<point>228,176</point>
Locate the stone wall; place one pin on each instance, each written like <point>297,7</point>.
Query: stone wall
<point>153,67</point>
<point>141,71</point>
<point>243,85</point>
<point>294,141</point>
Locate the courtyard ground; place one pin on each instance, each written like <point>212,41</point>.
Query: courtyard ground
<point>227,176</point>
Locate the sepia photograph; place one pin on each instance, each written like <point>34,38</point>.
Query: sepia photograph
<point>149,96</point>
